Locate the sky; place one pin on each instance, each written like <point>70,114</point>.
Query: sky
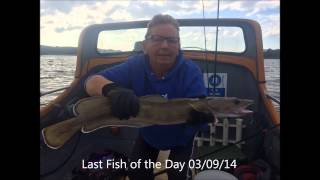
<point>61,21</point>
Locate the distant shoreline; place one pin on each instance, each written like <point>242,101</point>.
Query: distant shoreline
<point>49,50</point>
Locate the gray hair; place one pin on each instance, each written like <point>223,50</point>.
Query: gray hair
<point>161,19</point>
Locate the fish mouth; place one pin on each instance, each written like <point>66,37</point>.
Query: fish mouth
<point>245,111</point>
<point>234,114</point>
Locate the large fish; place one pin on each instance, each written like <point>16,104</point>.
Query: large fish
<point>94,113</point>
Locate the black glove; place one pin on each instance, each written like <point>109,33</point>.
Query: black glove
<point>124,103</point>
<point>200,117</point>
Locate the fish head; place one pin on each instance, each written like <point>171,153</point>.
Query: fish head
<point>229,106</point>
<point>205,115</point>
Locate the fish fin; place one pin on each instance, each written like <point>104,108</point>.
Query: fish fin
<point>198,106</point>
<point>154,98</point>
<point>56,135</point>
<point>103,122</point>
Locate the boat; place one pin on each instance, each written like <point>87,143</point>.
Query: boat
<point>231,72</point>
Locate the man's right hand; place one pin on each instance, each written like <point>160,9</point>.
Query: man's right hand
<point>124,103</point>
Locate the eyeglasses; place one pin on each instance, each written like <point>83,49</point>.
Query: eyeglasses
<point>157,39</point>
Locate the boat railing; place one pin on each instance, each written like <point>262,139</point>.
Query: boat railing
<point>225,139</point>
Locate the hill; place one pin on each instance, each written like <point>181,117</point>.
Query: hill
<point>271,54</point>
<point>49,50</point>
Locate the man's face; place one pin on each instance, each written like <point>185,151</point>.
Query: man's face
<point>162,45</point>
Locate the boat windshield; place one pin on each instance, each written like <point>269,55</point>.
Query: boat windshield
<point>230,39</point>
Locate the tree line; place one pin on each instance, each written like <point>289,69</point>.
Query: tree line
<point>49,50</point>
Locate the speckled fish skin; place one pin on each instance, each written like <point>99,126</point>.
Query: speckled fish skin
<point>94,113</point>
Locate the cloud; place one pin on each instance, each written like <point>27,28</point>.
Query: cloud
<point>52,38</point>
<point>248,5</point>
<point>230,32</point>
<point>121,15</point>
<point>70,28</point>
<point>270,25</point>
<point>194,8</point>
<point>49,22</point>
<point>157,2</point>
<point>59,17</point>
<point>261,6</point>
<point>81,13</point>
<point>84,13</point>
<point>62,22</point>
<point>210,7</point>
<point>42,11</point>
<point>50,6</point>
<point>102,10</point>
<point>266,13</point>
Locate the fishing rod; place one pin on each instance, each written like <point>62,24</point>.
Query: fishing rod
<point>228,146</point>
<point>205,49</point>
<point>216,51</point>
<point>56,90</point>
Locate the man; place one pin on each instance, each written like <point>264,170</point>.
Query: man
<point>162,70</point>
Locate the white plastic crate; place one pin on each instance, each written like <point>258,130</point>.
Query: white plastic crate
<point>225,140</point>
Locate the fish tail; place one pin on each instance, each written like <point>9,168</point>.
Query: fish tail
<point>58,134</point>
